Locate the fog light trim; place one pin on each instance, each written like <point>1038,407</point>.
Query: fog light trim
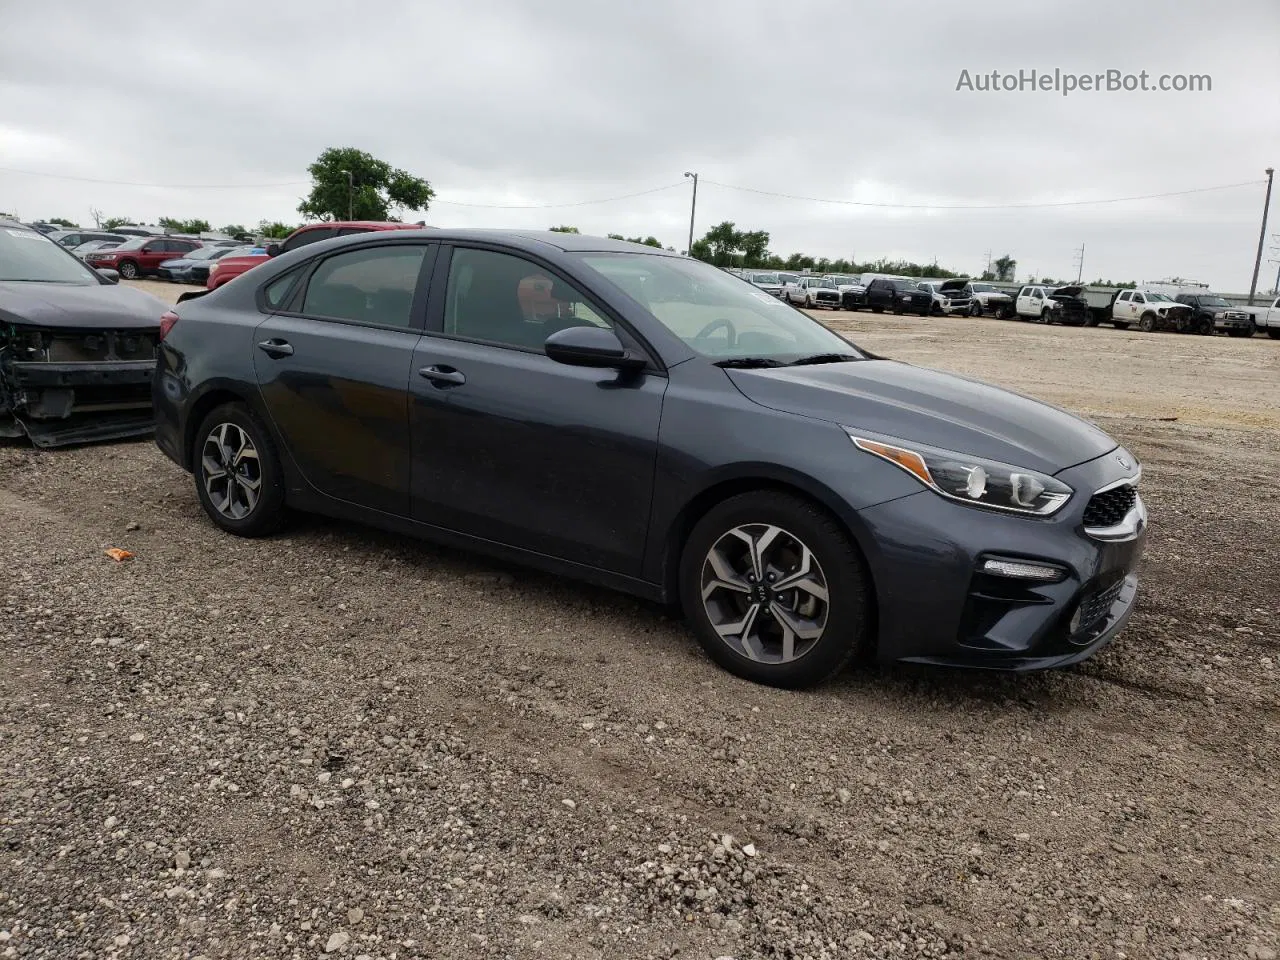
<point>1024,570</point>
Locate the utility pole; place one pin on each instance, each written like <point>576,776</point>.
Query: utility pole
<point>351,187</point>
<point>988,270</point>
<point>1262,236</point>
<point>693,210</point>
<point>1080,263</point>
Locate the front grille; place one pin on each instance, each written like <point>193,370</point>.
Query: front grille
<point>1109,507</point>
<point>833,297</point>
<point>1096,607</point>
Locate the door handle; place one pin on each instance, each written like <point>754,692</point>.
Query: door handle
<point>443,375</point>
<point>276,348</point>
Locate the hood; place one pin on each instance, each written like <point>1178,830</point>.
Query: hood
<point>98,306</point>
<point>953,286</point>
<point>177,262</point>
<point>929,407</point>
<point>1070,291</point>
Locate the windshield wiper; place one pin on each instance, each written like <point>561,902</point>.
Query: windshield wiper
<point>824,358</point>
<point>749,363</point>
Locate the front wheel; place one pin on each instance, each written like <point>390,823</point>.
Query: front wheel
<point>1046,316</point>
<point>1242,332</point>
<point>129,270</point>
<point>1147,322</point>
<point>1205,327</point>
<point>775,590</point>
<point>975,309</point>
<point>237,473</point>
<point>877,309</point>
<point>1274,333</point>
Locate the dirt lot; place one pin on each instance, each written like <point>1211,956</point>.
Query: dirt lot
<point>338,741</point>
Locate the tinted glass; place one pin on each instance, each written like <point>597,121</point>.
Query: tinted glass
<point>501,298</point>
<point>369,285</point>
<point>351,231</point>
<point>715,314</point>
<point>26,255</point>
<point>308,236</point>
<point>1123,296</point>
<point>277,291</point>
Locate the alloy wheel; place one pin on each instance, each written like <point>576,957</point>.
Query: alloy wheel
<point>764,593</point>
<point>231,470</point>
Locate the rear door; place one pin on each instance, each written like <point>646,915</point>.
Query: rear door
<point>333,362</point>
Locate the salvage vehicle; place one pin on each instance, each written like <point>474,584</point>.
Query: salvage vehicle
<point>1150,311</point>
<point>987,298</point>
<point>662,428</point>
<point>949,296</point>
<point>1212,314</point>
<point>1047,303</point>
<point>1267,318</point>
<point>140,256</point>
<point>900,296</point>
<point>770,283</point>
<point>853,295</point>
<point>229,268</point>
<point>811,293</point>
<point>77,349</point>
<point>75,238</point>
<point>193,267</point>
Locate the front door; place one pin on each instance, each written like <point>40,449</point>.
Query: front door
<point>333,365</point>
<point>513,447</point>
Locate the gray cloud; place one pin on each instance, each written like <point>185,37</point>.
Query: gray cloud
<point>499,101</point>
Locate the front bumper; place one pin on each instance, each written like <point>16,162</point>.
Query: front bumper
<point>937,605</point>
<point>955,306</point>
<point>1232,321</point>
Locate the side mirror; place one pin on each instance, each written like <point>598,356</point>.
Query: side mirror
<point>111,276</point>
<point>590,347</point>
<point>273,249</point>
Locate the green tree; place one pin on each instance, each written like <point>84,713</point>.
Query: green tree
<point>563,229</point>
<point>110,223</point>
<point>754,245</point>
<point>1006,268</point>
<point>63,223</point>
<point>274,229</point>
<point>233,230</point>
<point>174,225</point>
<point>701,250</point>
<point>724,240</point>
<point>649,241</point>
<point>346,182</point>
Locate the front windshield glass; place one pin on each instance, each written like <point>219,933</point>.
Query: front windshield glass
<point>765,278</point>
<point>1159,298</point>
<point>983,288</point>
<point>717,315</point>
<point>204,253</point>
<point>1213,302</point>
<point>28,256</point>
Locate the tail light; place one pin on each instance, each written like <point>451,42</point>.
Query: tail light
<point>167,320</point>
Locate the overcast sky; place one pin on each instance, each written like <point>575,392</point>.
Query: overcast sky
<point>511,102</point>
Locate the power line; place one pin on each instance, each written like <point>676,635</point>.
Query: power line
<point>296,183</point>
<point>980,206</point>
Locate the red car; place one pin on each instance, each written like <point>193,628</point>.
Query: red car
<point>228,268</point>
<point>140,256</point>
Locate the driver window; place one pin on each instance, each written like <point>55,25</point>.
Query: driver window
<point>1139,298</point>
<point>508,300</point>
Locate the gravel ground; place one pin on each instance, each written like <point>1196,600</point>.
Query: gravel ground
<point>336,742</point>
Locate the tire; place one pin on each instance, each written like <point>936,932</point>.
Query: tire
<point>975,309</point>
<point>1045,317</point>
<point>1147,322</point>
<point>877,309</point>
<point>1205,327</point>
<point>129,270</point>
<point>1244,333</point>
<point>1090,319</point>
<point>836,567</point>
<point>1120,324</point>
<point>265,514</point>
<point>807,304</point>
<point>934,308</point>
<point>1273,333</point>
<point>897,310</point>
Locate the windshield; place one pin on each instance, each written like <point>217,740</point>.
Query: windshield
<point>983,288</point>
<point>133,243</point>
<point>765,278</point>
<point>839,278</point>
<point>205,253</point>
<point>29,256</point>
<point>1159,298</point>
<point>906,285</point>
<point>1213,302</point>
<point>716,314</point>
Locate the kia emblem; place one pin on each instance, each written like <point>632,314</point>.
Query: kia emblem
<point>1124,461</point>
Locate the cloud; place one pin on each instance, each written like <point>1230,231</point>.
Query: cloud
<point>504,102</point>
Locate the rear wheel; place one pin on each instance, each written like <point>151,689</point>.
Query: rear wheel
<point>237,473</point>
<point>128,270</point>
<point>775,590</point>
<point>1147,322</point>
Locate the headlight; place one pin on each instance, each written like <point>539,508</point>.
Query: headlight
<point>973,480</point>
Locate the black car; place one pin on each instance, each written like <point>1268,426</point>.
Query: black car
<point>77,350</point>
<point>623,415</point>
<point>900,296</point>
<point>1212,313</point>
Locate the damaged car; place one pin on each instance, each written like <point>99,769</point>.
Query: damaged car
<point>77,349</point>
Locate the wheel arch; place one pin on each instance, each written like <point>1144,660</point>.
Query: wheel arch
<point>199,408</point>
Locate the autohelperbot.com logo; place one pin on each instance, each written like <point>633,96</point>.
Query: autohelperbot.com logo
<point>1066,83</point>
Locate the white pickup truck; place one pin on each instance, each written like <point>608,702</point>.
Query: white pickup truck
<point>1266,318</point>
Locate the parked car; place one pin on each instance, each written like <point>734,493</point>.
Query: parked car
<point>811,293</point>
<point>140,256</point>
<point>1267,318</point>
<point>75,238</point>
<point>949,296</point>
<point>138,230</point>
<point>853,295</point>
<point>77,350</point>
<point>768,282</point>
<point>1212,313</point>
<point>652,424</point>
<point>987,298</point>
<point>900,296</point>
<point>1150,311</point>
<point>1047,303</point>
<point>41,227</point>
<point>231,267</point>
<point>85,249</point>
<point>193,267</point>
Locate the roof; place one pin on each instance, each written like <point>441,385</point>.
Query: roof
<point>569,242</point>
